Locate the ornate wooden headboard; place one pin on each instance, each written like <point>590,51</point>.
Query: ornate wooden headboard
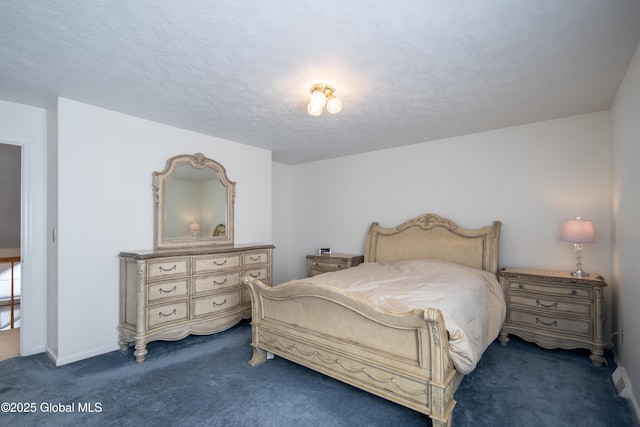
<point>432,236</point>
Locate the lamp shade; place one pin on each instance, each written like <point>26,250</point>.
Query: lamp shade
<point>578,231</point>
<point>194,227</point>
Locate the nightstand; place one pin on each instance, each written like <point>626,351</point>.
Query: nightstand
<point>318,264</point>
<point>554,309</point>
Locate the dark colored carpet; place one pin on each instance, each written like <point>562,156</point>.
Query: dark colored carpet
<point>205,381</point>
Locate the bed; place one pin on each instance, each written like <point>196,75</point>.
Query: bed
<point>400,355</point>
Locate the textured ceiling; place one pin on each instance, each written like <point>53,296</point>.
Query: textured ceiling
<point>406,71</point>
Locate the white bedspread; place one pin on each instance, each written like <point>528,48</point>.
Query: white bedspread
<point>471,300</point>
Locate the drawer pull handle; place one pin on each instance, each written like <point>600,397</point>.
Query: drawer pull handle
<point>161,314</point>
<point>168,269</point>
<point>220,283</point>
<point>220,263</point>
<point>215,304</point>
<point>255,275</point>
<point>339,265</point>
<point>255,259</point>
<point>574,292</point>
<point>521,286</point>
<point>554,305</point>
<point>162,291</point>
<point>554,323</point>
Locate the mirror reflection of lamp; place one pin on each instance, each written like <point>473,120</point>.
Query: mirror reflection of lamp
<point>194,229</point>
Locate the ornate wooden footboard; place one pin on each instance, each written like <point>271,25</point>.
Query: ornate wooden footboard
<point>402,358</point>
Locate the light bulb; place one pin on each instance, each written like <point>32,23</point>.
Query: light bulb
<point>334,105</point>
<point>314,110</point>
<point>318,99</point>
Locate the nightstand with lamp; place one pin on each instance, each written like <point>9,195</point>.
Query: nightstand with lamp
<point>557,309</point>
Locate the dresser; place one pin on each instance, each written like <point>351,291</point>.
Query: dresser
<point>555,309</point>
<point>167,294</point>
<point>318,264</point>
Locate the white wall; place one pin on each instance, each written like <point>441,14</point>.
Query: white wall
<point>105,206</point>
<point>27,126</point>
<point>282,224</point>
<point>625,202</point>
<point>529,177</point>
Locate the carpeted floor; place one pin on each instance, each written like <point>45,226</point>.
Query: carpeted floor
<point>205,381</point>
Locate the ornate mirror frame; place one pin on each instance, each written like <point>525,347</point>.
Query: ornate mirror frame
<point>201,234</point>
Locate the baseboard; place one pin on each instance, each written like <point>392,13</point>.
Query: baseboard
<point>52,354</point>
<point>59,361</point>
<point>623,385</point>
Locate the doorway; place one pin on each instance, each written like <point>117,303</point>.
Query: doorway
<point>10,253</point>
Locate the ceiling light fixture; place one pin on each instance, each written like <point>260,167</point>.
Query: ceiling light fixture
<point>321,95</point>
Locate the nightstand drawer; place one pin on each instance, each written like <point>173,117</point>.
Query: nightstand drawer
<point>318,264</point>
<point>327,266</point>
<point>548,302</point>
<point>551,323</point>
<point>551,289</point>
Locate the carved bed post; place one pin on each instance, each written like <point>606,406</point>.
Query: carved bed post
<point>259,355</point>
<point>442,371</point>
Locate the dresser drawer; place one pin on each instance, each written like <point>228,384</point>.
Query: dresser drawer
<point>168,289</point>
<point>255,258</point>
<point>548,302</point>
<point>258,273</point>
<point>551,289</point>
<point>217,281</point>
<point>551,323</point>
<point>205,306</point>
<point>167,313</point>
<point>205,264</point>
<point>167,268</point>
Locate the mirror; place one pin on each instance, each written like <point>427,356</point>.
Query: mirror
<point>193,203</point>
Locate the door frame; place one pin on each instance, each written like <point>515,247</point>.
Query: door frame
<point>33,251</point>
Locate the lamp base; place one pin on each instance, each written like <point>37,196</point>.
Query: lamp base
<point>579,273</point>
